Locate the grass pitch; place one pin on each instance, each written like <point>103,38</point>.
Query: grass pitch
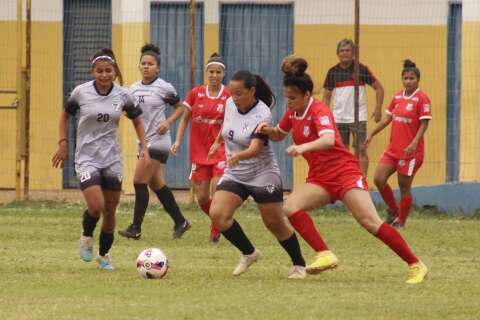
<point>42,277</point>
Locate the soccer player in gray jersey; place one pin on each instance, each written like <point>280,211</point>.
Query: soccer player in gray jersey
<point>252,171</point>
<point>97,106</point>
<point>153,94</point>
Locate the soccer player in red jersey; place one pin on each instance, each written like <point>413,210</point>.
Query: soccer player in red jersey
<point>409,112</point>
<point>205,108</point>
<point>334,173</point>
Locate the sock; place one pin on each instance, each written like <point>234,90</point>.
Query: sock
<point>106,240</point>
<point>237,237</point>
<point>206,208</point>
<point>141,203</point>
<point>387,195</point>
<point>170,205</point>
<point>405,205</point>
<point>394,240</point>
<point>89,223</point>
<point>292,247</point>
<point>303,224</point>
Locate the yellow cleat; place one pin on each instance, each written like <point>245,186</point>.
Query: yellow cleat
<point>417,272</point>
<point>325,260</point>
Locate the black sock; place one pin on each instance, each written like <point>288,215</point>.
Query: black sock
<point>141,203</point>
<point>89,223</point>
<point>292,247</point>
<point>170,205</point>
<point>106,240</point>
<point>237,237</point>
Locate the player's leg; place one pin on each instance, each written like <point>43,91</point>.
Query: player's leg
<point>363,156</point>
<point>385,168</point>
<point>405,180</point>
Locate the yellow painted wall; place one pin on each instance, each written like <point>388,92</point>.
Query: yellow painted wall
<point>470,115</point>
<point>8,128</point>
<point>382,48</point>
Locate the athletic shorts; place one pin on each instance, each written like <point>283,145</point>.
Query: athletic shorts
<point>205,172</point>
<point>345,180</point>
<point>268,194</point>
<point>159,155</point>
<point>406,167</point>
<point>345,129</point>
<point>109,178</point>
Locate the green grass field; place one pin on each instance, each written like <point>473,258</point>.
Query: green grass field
<point>42,277</point>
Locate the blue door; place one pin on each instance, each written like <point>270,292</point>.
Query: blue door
<point>170,30</point>
<point>87,27</point>
<point>256,37</point>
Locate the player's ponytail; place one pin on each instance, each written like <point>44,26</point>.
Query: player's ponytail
<point>410,66</point>
<point>106,54</point>
<point>151,50</point>
<point>294,69</point>
<point>262,89</point>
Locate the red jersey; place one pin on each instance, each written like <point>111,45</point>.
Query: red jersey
<point>315,121</point>
<point>407,114</point>
<point>207,120</point>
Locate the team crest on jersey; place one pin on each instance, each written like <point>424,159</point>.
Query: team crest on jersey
<point>220,107</point>
<point>306,131</point>
<point>245,127</point>
<point>270,188</point>
<point>409,107</point>
<point>324,121</point>
<point>401,163</point>
<point>426,108</point>
<point>415,99</point>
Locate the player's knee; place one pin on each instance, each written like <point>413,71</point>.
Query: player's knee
<point>95,208</point>
<point>290,207</point>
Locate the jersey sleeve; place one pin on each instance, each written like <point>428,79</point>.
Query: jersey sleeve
<point>329,82</point>
<point>390,107</point>
<point>424,108</point>
<point>366,75</point>
<point>190,99</point>
<point>72,105</point>
<point>285,124</point>
<point>170,95</point>
<point>266,117</point>
<point>130,107</point>
<point>323,122</point>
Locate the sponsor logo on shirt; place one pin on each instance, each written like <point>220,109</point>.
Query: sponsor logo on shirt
<point>306,131</point>
<point>426,108</point>
<point>409,107</point>
<point>402,119</point>
<point>201,95</point>
<point>324,121</point>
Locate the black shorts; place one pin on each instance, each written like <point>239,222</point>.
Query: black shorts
<point>108,178</point>
<point>268,194</point>
<point>159,155</point>
<point>345,129</point>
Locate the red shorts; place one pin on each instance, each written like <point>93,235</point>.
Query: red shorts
<point>205,172</point>
<point>406,167</point>
<point>344,180</point>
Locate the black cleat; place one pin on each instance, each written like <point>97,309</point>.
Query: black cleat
<point>178,231</point>
<point>131,232</point>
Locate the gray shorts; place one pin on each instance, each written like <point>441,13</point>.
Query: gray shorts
<point>346,129</point>
<point>109,178</point>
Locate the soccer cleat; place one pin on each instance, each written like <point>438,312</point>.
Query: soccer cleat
<point>297,272</point>
<point>131,232</point>
<point>325,260</point>
<point>397,224</point>
<point>214,235</point>
<point>178,231</point>
<point>417,272</point>
<point>104,262</point>
<point>245,262</point>
<point>86,248</point>
<point>391,216</point>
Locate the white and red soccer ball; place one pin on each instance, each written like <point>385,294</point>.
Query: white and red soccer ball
<point>152,263</point>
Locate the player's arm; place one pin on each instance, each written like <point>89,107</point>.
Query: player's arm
<point>387,118</point>
<point>273,133</point>
<point>256,145</point>
<point>164,126</point>
<point>182,126</point>
<point>412,147</point>
<point>324,142</point>
<point>61,155</point>
<point>379,96</point>
<point>327,96</point>
<point>140,131</point>
<point>216,145</point>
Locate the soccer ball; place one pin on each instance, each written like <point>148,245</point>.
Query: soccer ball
<point>152,263</point>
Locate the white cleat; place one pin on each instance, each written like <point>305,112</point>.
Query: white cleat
<point>297,272</point>
<point>245,262</point>
<point>86,248</point>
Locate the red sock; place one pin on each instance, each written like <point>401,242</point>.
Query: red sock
<point>303,224</point>
<point>405,205</point>
<point>394,240</point>
<point>387,196</point>
<point>206,208</point>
